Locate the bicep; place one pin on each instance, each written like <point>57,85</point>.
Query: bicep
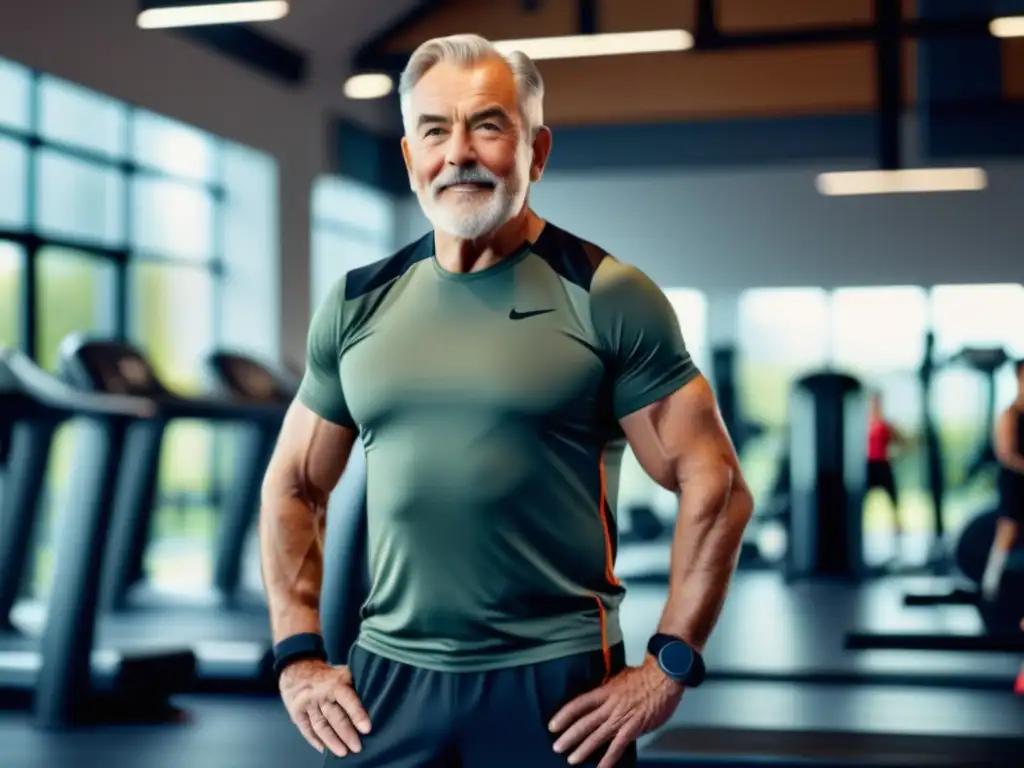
<point>682,436</point>
<point>310,456</point>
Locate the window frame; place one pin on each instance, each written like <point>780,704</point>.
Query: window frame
<point>33,241</point>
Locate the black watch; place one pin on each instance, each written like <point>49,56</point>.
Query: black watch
<point>302,647</point>
<point>679,660</point>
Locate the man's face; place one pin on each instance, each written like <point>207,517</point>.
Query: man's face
<point>466,149</point>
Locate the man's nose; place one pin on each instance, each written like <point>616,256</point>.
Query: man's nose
<point>460,148</point>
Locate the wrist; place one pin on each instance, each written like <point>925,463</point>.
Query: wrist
<point>305,646</point>
<point>676,659</point>
<point>662,680</point>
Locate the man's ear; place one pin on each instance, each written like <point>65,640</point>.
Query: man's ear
<point>541,152</point>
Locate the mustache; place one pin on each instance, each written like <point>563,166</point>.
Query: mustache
<point>474,175</point>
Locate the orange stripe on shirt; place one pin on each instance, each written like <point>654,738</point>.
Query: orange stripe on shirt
<point>606,650</point>
<point>609,560</point>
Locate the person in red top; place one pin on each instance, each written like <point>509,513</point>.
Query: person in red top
<point>882,436</point>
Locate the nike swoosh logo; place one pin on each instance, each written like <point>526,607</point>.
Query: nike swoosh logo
<point>514,315</point>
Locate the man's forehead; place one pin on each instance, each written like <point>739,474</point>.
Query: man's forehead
<point>449,86</point>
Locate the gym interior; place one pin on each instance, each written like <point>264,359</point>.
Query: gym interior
<point>829,193</point>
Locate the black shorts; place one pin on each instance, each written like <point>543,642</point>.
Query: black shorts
<point>498,719</point>
<point>880,476</point>
<point>1011,495</point>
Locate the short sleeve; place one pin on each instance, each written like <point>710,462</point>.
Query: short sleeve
<point>639,335</point>
<point>321,389</point>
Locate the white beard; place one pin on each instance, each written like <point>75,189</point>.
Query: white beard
<point>473,215</point>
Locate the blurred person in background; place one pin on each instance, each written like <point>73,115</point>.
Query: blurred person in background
<point>883,438</point>
<point>1009,449</point>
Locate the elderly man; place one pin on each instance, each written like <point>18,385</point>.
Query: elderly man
<point>495,370</point>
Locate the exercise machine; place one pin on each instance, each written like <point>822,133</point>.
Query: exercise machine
<point>968,547</point>
<point>827,449</point>
<point>67,681</point>
<point>243,378</point>
<point>723,367</point>
<point>934,473</point>
<point>231,640</point>
<point>947,550</point>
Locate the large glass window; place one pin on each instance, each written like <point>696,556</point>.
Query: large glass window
<point>173,321</point>
<point>72,115</point>
<point>171,218</point>
<point>75,294</point>
<point>972,316</point>
<point>15,85</point>
<point>173,148</point>
<point>353,225</point>
<point>121,223</point>
<point>878,334</point>
<point>79,200</point>
<point>13,177</point>
<point>782,334</point>
<point>11,259</point>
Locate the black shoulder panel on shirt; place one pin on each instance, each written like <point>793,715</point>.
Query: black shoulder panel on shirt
<point>363,280</point>
<point>571,257</point>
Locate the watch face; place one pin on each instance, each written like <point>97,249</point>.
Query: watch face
<point>676,659</point>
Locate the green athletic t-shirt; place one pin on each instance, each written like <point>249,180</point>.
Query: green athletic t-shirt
<point>488,407</point>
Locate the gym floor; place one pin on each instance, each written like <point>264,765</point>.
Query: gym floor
<point>887,708</point>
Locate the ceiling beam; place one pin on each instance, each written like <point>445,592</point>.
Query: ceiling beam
<point>252,49</point>
<point>587,16</point>
<point>889,81</point>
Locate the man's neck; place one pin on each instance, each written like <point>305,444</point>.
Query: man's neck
<point>457,254</point>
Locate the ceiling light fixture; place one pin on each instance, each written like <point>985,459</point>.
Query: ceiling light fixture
<point>907,181</point>
<point>369,85</point>
<point>610,44</point>
<point>164,14</point>
<point>1007,26</point>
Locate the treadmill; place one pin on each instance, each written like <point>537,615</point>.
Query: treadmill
<point>231,639</point>
<point>58,670</point>
<point>242,377</point>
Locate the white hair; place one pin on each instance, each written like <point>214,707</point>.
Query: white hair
<point>467,50</point>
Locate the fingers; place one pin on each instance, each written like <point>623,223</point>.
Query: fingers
<point>306,729</point>
<point>602,734</point>
<point>576,708</point>
<point>616,749</point>
<point>341,725</point>
<point>349,701</point>
<point>579,730</point>
<point>326,733</point>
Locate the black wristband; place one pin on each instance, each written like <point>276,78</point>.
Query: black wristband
<point>301,647</point>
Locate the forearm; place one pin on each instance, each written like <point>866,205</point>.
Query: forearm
<point>291,555</point>
<point>1011,460</point>
<point>713,514</point>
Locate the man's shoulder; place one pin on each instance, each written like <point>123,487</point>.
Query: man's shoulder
<point>371,277</point>
<point>574,258</point>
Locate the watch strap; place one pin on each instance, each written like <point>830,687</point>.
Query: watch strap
<point>300,647</point>
<point>697,671</point>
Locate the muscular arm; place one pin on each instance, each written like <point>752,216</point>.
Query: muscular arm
<point>310,457</point>
<point>1007,442</point>
<point>681,442</point>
